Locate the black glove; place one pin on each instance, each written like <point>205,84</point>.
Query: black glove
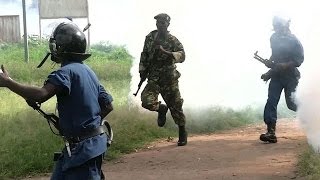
<point>266,76</point>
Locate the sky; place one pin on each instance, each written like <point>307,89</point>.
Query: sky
<point>219,38</point>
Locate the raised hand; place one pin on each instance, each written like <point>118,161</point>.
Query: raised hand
<point>4,77</point>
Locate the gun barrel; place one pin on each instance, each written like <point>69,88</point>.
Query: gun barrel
<point>259,59</point>
<point>135,94</point>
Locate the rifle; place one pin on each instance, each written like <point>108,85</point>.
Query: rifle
<point>156,43</point>
<point>51,118</point>
<point>266,62</point>
<point>140,83</point>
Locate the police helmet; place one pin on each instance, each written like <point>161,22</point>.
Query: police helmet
<point>68,42</point>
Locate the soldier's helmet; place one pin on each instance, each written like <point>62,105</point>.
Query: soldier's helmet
<point>163,16</point>
<point>68,41</point>
<point>281,22</point>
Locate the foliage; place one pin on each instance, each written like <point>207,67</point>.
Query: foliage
<point>111,51</point>
<point>309,164</point>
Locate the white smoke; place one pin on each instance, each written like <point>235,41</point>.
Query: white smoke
<point>308,91</point>
<point>308,95</point>
<point>219,41</point>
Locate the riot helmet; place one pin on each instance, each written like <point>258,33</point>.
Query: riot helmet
<point>68,42</point>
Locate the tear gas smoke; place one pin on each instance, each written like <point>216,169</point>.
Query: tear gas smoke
<point>219,41</point>
<point>308,91</point>
<point>308,97</point>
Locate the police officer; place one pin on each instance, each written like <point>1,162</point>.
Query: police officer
<point>157,62</point>
<point>82,103</point>
<point>287,55</point>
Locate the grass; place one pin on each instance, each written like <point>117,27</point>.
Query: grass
<point>309,164</point>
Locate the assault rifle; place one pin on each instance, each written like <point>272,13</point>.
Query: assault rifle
<point>51,118</point>
<point>54,120</point>
<point>266,62</point>
<point>140,83</point>
<point>156,45</point>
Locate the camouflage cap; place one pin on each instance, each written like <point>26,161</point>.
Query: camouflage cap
<point>163,16</point>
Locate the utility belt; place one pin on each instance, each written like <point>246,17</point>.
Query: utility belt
<point>69,140</point>
<point>104,128</point>
<point>86,134</point>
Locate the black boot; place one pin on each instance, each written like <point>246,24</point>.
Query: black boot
<point>270,136</point>
<point>183,136</point>
<point>162,112</point>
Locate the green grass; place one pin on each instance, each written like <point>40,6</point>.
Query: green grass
<point>309,164</point>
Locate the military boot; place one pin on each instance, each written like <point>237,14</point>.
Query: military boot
<point>162,112</point>
<point>270,136</point>
<point>183,136</point>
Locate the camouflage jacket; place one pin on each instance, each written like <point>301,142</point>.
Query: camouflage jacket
<point>158,65</point>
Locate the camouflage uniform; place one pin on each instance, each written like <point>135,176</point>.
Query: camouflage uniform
<point>162,75</point>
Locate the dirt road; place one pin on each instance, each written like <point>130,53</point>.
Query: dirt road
<point>230,155</point>
<point>235,154</point>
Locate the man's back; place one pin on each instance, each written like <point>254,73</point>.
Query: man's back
<point>78,105</point>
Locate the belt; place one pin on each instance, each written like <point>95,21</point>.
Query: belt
<point>87,134</point>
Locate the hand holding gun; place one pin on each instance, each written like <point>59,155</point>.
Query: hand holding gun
<point>50,117</point>
<point>268,63</point>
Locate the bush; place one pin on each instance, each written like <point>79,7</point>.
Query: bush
<point>112,52</point>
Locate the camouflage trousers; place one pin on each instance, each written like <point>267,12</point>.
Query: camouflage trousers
<point>171,95</point>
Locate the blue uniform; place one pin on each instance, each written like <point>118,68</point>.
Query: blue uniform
<point>285,48</point>
<point>79,110</point>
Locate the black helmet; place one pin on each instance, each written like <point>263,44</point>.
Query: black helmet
<point>68,42</point>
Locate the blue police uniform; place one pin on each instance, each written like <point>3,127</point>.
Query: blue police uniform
<point>79,110</point>
<point>285,48</point>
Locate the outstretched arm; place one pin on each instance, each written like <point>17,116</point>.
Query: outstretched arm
<point>26,91</point>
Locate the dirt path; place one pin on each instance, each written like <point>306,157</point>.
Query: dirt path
<point>231,155</point>
<point>235,154</point>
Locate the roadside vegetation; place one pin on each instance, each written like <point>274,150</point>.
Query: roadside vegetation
<point>309,164</point>
<point>27,145</point>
